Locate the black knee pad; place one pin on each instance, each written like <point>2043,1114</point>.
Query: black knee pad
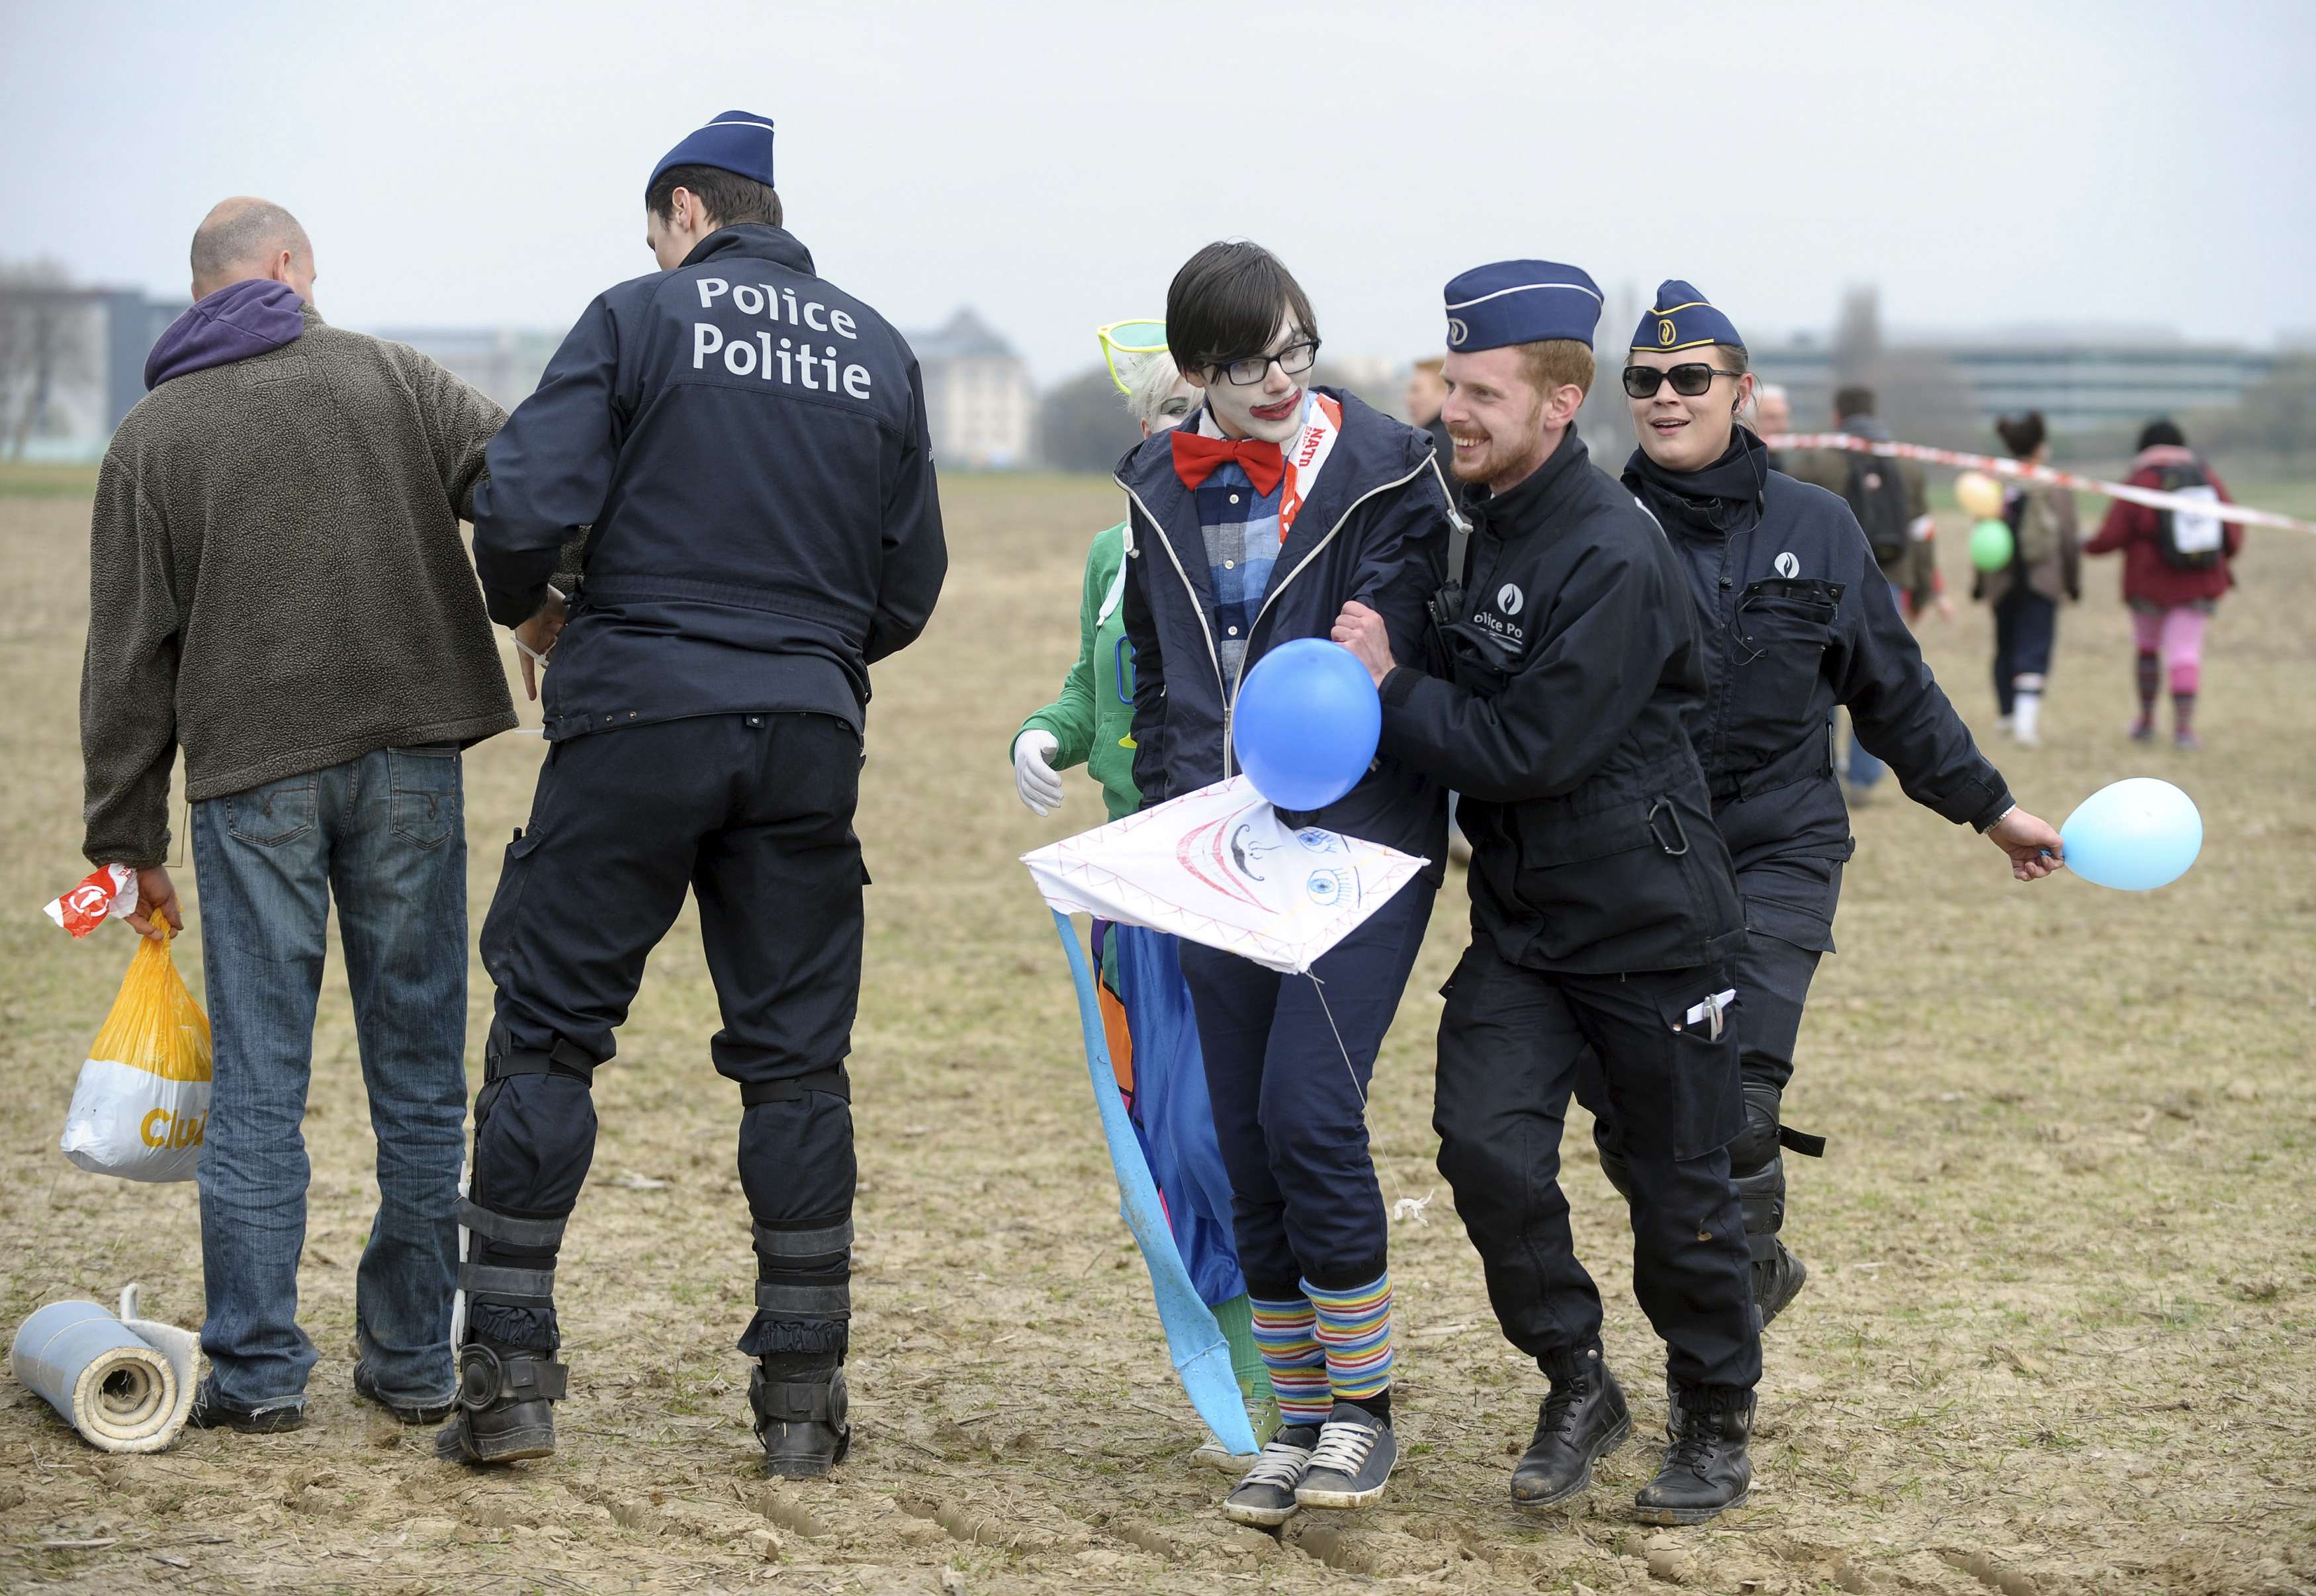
<point>1756,1147</point>
<point>534,1139</point>
<point>1761,1194</point>
<point>795,1155</point>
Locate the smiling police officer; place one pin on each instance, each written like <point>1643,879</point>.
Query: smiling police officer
<point>747,444</point>
<point>1603,912</point>
<point>1795,618</point>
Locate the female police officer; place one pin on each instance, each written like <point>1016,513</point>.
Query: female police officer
<point>1795,619</point>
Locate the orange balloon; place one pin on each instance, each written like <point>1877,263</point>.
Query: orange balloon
<point>1980,495</point>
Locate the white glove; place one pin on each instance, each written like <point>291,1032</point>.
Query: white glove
<point>1034,776</point>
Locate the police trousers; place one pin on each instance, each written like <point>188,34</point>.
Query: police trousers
<point>1515,1045</point>
<point>1789,905</point>
<point>751,813</point>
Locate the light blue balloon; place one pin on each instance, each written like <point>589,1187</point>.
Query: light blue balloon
<point>2133,835</point>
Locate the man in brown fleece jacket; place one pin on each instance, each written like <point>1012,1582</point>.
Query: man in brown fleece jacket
<point>278,587</point>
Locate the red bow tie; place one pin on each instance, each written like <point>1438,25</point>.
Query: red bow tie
<point>1195,459</point>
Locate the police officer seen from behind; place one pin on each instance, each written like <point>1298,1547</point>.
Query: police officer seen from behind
<point>747,444</point>
<point>1795,618</point>
<point>1603,912</point>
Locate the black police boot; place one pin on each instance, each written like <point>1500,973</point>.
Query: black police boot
<point>799,1415</point>
<point>506,1397</point>
<point>1581,1421</point>
<point>1705,1469</point>
<point>1778,1279</point>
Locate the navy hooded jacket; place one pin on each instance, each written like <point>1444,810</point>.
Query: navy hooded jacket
<point>1373,529</point>
<point>1795,617</point>
<point>748,444</point>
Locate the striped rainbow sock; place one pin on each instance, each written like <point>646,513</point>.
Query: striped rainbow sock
<point>1354,1329</point>
<point>1286,1332</point>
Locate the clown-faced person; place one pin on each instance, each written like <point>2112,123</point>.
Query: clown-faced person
<point>1795,619</point>
<point>1604,913</point>
<point>1091,724</point>
<point>747,444</point>
<point>1251,525</point>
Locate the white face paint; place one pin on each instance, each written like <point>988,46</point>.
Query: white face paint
<point>1271,409</point>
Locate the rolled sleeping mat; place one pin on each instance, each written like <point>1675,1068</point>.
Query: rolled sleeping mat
<point>125,1383</point>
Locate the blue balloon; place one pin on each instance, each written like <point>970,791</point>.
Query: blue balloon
<point>1307,723</point>
<point>2133,835</point>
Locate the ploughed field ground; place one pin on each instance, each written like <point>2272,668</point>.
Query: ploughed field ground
<point>2057,1336</point>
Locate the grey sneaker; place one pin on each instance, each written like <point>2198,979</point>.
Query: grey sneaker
<point>1352,1462</point>
<point>1265,1496</point>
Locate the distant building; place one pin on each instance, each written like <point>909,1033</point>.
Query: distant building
<point>504,362</point>
<point>71,365</point>
<point>978,396</point>
<point>2080,386</point>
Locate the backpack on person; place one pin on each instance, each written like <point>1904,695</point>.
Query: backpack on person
<point>1877,497</point>
<point>2189,540</point>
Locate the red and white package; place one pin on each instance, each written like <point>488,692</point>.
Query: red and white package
<point>106,893</point>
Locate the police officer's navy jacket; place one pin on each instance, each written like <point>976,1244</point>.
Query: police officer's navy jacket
<point>1569,660</point>
<point>748,444</point>
<point>1795,618</point>
<point>1375,529</point>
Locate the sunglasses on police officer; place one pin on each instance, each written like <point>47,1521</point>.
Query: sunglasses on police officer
<point>1688,381</point>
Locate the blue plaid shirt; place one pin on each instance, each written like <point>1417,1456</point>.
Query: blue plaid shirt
<point>1241,528</point>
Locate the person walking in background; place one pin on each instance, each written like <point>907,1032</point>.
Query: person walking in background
<point>2045,566</point>
<point>1772,416</point>
<point>1892,503</point>
<point>1793,623</point>
<point>1427,391</point>
<point>1236,544</point>
<point>747,444</point>
<point>1152,1043</point>
<point>278,586</point>
<point>2177,565</point>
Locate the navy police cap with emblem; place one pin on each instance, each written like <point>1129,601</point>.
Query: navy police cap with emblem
<point>1520,302</point>
<point>738,141</point>
<point>1682,318</point>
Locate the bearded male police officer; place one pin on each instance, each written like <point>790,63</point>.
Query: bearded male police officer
<point>1603,910</point>
<point>747,444</point>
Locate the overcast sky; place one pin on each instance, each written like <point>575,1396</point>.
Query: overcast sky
<point>1051,163</point>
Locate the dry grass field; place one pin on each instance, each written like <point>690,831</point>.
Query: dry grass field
<point>2058,1336</point>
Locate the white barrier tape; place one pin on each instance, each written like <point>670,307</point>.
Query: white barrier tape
<point>1994,465</point>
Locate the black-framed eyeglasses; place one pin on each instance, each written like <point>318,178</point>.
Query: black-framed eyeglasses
<point>1293,360</point>
<point>1688,379</point>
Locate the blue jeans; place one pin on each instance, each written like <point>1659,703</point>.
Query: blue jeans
<point>385,834</point>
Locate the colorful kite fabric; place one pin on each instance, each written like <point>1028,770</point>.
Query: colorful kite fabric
<point>1153,1042</point>
<point>1220,867</point>
<point>1195,1342</point>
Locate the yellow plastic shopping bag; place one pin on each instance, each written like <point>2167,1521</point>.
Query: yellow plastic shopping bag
<point>143,1101</point>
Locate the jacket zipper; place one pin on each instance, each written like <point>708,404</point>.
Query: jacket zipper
<point>1230,688</point>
